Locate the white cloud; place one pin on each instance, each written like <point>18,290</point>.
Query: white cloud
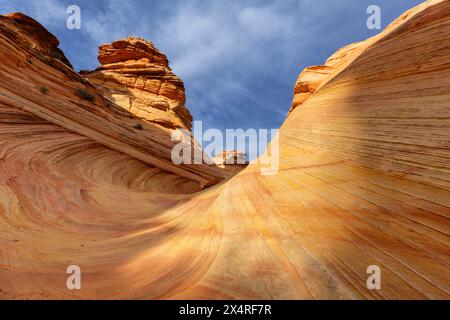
<point>203,38</point>
<point>266,22</point>
<point>47,12</point>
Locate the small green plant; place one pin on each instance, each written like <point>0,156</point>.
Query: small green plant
<point>56,55</point>
<point>138,126</point>
<point>85,94</point>
<point>44,90</point>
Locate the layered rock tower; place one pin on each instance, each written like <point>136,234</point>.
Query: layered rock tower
<point>137,77</point>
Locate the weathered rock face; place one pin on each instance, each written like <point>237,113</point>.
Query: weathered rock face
<point>363,180</point>
<point>308,82</point>
<point>31,33</point>
<point>313,77</point>
<point>37,78</point>
<point>137,77</point>
<point>230,157</point>
<point>231,160</point>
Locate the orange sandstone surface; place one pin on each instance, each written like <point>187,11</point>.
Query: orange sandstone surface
<point>137,77</point>
<point>364,176</point>
<point>37,78</point>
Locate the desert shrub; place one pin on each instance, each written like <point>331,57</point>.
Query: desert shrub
<point>44,90</point>
<point>138,126</point>
<point>56,55</point>
<point>85,94</point>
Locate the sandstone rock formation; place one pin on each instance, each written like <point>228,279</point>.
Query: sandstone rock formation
<point>37,78</point>
<point>230,157</point>
<point>137,77</point>
<point>32,34</point>
<point>231,160</point>
<point>364,180</point>
<point>314,77</point>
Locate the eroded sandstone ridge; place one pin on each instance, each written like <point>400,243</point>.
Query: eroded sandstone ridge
<point>314,77</point>
<point>37,78</point>
<point>364,180</point>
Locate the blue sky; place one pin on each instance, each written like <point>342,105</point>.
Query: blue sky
<point>239,59</point>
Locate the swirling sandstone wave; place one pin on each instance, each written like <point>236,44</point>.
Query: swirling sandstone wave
<point>364,180</point>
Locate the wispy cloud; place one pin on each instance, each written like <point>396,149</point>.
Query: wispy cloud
<point>47,12</point>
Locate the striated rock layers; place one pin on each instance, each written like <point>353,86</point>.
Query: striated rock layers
<point>37,78</point>
<point>233,161</point>
<point>137,77</point>
<point>363,180</point>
